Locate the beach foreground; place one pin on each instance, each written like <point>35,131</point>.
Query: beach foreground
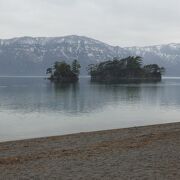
<point>151,152</point>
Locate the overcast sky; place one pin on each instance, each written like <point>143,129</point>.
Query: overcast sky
<point>117,22</point>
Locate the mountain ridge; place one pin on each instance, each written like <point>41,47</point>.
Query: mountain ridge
<point>82,36</point>
<point>32,55</point>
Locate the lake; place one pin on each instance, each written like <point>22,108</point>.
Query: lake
<point>34,107</point>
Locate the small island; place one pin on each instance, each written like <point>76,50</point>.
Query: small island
<point>61,72</point>
<point>127,70</point>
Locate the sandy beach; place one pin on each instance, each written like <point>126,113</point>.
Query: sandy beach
<point>151,152</point>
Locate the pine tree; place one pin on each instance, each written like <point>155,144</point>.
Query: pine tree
<point>75,67</point>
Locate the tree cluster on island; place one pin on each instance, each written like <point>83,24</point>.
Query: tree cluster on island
<point>128,69</point>
<point>64,73</point>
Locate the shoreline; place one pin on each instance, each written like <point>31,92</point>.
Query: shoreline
<point>88,132</point>
<point>146,152</point>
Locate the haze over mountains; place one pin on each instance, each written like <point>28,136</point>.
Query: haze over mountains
<point>31,56</point>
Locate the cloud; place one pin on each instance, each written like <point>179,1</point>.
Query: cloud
<point>118,22</point>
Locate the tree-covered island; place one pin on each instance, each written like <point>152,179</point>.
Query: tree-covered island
<point>127,70</point>
<point>61,72</point>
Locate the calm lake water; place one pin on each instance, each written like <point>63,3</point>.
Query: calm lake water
<point>34,107</point>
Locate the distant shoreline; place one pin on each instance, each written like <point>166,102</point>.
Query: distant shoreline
<point>81,76</point>
<point>148,152</point>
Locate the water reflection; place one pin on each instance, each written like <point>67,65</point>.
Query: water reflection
<point>37,94</point>
<point>32,107</point>
<point>86,97</point>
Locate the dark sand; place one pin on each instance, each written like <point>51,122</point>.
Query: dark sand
<point>151,152</point>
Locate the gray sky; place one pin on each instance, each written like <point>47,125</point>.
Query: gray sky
<point>117,22</point>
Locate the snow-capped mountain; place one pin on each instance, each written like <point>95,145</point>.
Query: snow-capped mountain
<point>31,56</point>
<point>164,55</point>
